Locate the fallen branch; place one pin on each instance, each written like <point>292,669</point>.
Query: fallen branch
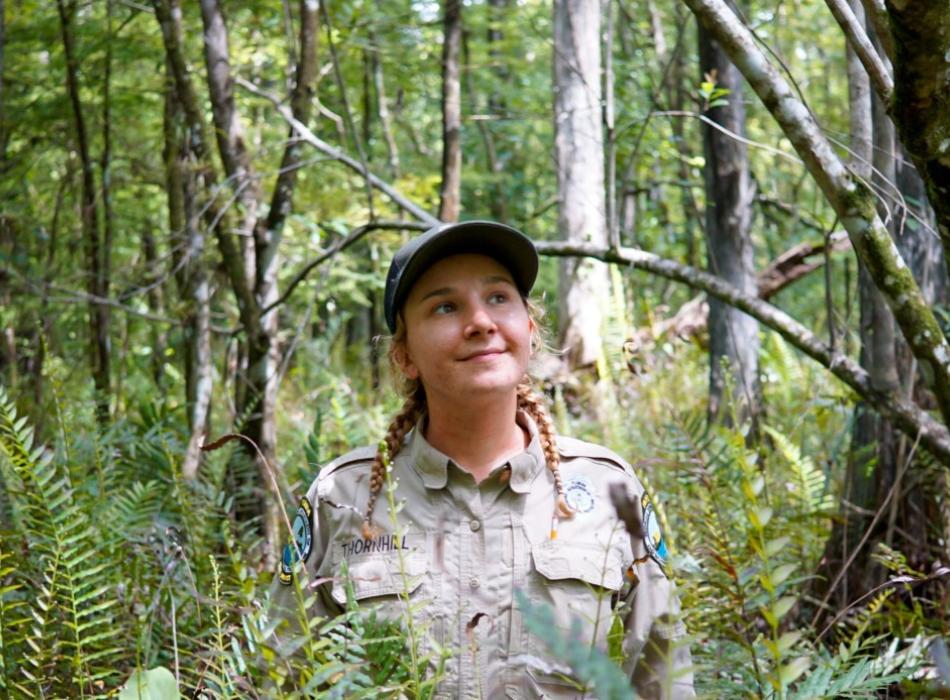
<point>909,418</point>
<point>789,267</point>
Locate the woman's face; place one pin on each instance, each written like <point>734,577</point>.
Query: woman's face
<point>468,332</point>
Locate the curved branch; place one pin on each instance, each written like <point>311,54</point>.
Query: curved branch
<point>911,419</point>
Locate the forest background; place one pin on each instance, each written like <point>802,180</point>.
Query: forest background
<point>742,222</point>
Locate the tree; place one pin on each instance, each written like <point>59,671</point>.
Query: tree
<point>251,257</point>
<point>730,192</point>
<point>450,192</point>
<point>96,246</point>
<point>852,200</point>
<point>579,155</point>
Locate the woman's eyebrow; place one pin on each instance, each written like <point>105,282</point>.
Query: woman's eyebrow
<point>441,291</point>
<point>492,279</point>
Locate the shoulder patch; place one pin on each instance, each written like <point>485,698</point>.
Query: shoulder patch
<point>572,448</point>
<point>359,455</point>
<point>653,535</point>
<point>303,541</point>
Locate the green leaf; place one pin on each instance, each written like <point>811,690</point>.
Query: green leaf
<point>781,573</point>
<point>788,640</point>
<point>790,672</point>
<point>781,606</point>
<point>773,547</point>
<point>154,684</point>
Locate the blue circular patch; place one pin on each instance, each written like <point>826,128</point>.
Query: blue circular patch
<point>302,532</point>
<point>653,536</point>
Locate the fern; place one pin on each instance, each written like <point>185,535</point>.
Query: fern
<point>76,591</point>
<point>13,622</point>
<point>809,480</point>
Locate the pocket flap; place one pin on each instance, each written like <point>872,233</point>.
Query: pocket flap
<point>379,574</point>
<point>557,560</point>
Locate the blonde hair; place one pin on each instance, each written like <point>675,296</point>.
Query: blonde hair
<point>415,405</point>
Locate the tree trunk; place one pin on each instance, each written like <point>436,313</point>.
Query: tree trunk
<point>156,304</point>
<point>96,255</point>
<point>191,275</point>
<point>382,105</point>
<point>579,154</point>
<point>921,106</point>
<point>730,192</point>
<point>450,193</point>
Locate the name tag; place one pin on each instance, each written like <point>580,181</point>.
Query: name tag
<point>383,543</point>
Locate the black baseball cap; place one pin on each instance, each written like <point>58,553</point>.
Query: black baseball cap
<point>505,244</point>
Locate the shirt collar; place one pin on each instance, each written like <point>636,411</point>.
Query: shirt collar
<point>432,465</point>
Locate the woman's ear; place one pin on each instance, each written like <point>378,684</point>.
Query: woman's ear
<point>404,362</point>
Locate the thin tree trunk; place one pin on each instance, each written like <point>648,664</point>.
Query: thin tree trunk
<point>497,106</point>
<point>188,250</point>
<point>97,284</point>
<point>497,200</point>
<point>579,154</point>
<point>730,192</point>
<point>450,191</point>
<point>859,479</point>
<point>105,170</point>
<point>382,106</point>
<point>263,358</point>
<point>156,304</point>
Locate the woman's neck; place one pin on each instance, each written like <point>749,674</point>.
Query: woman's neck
<point>477,439</point>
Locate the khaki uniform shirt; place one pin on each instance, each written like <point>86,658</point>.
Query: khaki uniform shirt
<point>462,549</point>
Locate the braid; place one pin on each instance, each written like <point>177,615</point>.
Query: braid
<point>530,403</point>
<point>401,424</point>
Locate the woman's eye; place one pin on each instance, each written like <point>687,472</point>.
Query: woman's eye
<point>443,308</point>
<point>498,298</point>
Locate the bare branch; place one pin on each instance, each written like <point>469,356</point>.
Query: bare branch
<point>338,247</point>
<point>876,13</point>
<point>911,419</point>
<point>309,137</point>
<point>878,71</point>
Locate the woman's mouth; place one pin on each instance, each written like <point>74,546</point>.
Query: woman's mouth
<point>482,355</point>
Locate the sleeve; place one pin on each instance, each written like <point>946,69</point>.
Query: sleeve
<point>655,645</point>
<point>300,593</point>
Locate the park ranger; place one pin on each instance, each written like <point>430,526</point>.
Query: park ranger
<point>495,514</point>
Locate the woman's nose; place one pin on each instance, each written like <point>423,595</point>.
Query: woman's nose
<point>480,321</point>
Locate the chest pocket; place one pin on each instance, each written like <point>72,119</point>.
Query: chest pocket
<point>577,580</point>
<point>558,560</point>
<point>377,575</point>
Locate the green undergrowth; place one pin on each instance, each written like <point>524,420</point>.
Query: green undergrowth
<point>114,571</point>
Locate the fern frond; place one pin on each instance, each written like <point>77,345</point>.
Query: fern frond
<point>810,480</point>
<point>62,543</point>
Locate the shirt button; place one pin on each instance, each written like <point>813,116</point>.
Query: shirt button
<point>476,525</point>
<point>474,583</point>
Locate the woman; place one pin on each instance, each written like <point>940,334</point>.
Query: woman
<point>490,501</point>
